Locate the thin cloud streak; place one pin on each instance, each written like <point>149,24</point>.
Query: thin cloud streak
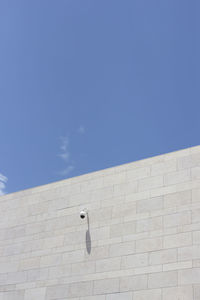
<point>65,156</point>
<point>3,181</point>
<point>64,148</point>
<point>66,171</point>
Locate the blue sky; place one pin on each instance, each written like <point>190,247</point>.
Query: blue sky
<point>89,84</point>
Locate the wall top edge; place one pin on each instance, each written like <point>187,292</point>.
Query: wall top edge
<point>104,172</point>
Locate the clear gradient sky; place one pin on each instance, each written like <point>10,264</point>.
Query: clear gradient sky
<point>90,84</point>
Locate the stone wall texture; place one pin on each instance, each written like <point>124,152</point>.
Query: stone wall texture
<point>140,242</point>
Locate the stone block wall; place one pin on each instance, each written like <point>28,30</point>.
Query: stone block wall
<point>141,240</point>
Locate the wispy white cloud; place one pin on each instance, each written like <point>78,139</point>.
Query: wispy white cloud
<point>3,180</point>
<point>67,170</point>
<point>64,149</point>
<point>64,143</point>
<point>65,156</point>
<point>81,129</point>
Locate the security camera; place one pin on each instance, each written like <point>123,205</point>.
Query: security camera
<point>83,214</point>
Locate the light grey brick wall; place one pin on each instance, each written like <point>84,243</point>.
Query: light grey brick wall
<point>142,241</point>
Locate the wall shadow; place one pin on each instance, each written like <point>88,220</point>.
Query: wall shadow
<point>88,237</point>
